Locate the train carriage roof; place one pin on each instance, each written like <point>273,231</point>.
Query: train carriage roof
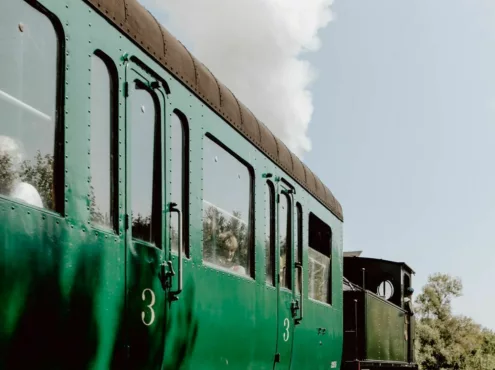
<point>135,21</point>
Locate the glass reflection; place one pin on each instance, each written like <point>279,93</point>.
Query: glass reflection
<point>179,186</point>
<point>101,148</point>
<point>143,118</point>
<point>226,210</point>
<point>269,233</point>
<point>285,241</point>
<point>28,81</point>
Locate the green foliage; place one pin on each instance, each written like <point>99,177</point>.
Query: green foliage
<point>97,217</point>
<point>40,175</point>
<point>141,227</point>
<point>7,174</point>
<point>435,300</point>
<point>444,340</point>
<point>38,172</point>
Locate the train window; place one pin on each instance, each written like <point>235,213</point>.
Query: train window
<point>145,164</point>
<point>180,188</point>
<point>227,184</point>
<point>270,233</point>
<point>299,246</point>
<point>103,134</point>
<point>285,240</point>
<point>385,289</point>
<point>319,256</point>
<point>28,105</point>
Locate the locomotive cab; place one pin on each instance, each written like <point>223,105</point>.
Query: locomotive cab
<point>378,321</point>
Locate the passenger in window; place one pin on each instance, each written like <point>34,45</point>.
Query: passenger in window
<point>409,311</point>
<point>11,184</point>
<point>229,245</point>
<point>283,271</point>
<point>408,301</point>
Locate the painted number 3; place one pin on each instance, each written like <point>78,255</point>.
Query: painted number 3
<point>286,326</point>
<point>150,307</point>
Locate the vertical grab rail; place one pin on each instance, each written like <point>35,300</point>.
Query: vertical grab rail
<point>356,328</point>
<point>299,267</point>
<point>173,294</point>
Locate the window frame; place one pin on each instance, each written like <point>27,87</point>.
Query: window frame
<point>299,248</point>
<point>251,271</point>
<point>59,135</point>
<point>114,141</point>
<point>184,206</point>
<point>270,190</point>
<point>289,265</point>
<point>157,186</point>
<point>329,282</point>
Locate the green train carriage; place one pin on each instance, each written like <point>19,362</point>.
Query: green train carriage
<point>147,219</point>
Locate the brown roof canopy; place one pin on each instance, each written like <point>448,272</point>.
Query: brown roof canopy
<point>139,25</point>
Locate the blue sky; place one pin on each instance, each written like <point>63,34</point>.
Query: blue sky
<point>406,99</point>
<point>403,132</point>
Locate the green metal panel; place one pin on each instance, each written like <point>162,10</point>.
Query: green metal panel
<point>412,341</point>
<point>325,346</point>
<point>285,301</point>
<point>64,298</point>
<point>384,330</point>
<point>146,299</point>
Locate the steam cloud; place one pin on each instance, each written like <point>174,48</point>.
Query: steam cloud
<point>254,47</point>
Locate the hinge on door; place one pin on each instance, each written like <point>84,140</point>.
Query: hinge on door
<point>126,89</point>
<point>277,357</point>
<point>126,222</point>
<point>128,351</point>
<point>278,198</point>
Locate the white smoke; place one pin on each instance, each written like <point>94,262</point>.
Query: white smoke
<point>254,47</point>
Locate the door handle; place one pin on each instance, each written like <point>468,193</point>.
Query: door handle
<point>167,272</point>
<point>173,294</point>
<point>299,267</point>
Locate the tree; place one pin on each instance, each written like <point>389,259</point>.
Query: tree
<point>7,174</point>
<point>445,341</point>
<point>40,175</point>
<point>38,172</point>
<point>435,300</point>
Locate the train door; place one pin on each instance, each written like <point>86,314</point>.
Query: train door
<point>286,305</point>
<point>146,269</point>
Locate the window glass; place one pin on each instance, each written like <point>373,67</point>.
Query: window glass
<point>269,233</point>
<point>284,227</point>
<point>144,166</point>
<point>102,153</point>
<point>299,238</point>
<point>180,188</point>
<point>319,256</point>
<point>28,97</point>
<point>226,210</point>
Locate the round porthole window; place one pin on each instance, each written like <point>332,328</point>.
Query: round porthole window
<point>385,289</point>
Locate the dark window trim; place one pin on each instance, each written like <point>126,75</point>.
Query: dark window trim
<point>330,278</point>
<point>156,200</point>
<point>271,192</point>
<point>299,243</point>
<point>185,180</point>
<point>113,75</point>
<point>252,227</point>
<point>151,72</point>
<point>59,121</point>
<point>289,247</point>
